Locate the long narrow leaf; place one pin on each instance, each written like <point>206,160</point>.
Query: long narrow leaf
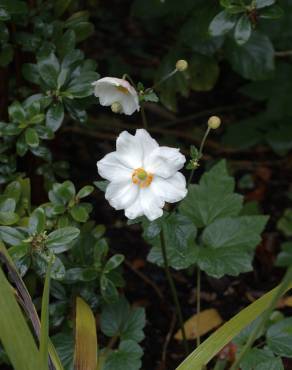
<point>44,337</point>
<point>27,303</point>
<point>85,337</point>
<point>211,346</point>
<point>15,334</point>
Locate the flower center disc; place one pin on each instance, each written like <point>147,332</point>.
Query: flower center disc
<point>122,89</point>
<point>142,178</point>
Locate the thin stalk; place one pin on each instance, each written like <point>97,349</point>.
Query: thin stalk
<point>173,291</point>
<point>144,118</point>
<point>258,328</point>
<point>172,73</point>
<point>199,155</point>
<point>198,305</point>
<point>220,365</point>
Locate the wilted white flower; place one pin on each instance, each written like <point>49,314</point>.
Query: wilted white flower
<point>142,175</point>
<point>117,91</point>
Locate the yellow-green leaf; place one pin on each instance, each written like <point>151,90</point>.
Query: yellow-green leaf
<point>85,337</point>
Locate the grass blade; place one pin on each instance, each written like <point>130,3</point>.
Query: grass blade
<point>15,335</point>
<point>211,346</point>
<point>85,337</point>
<point>44,336</point>
<point>27,304</point>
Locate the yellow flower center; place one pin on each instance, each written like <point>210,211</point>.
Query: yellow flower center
<point>142,178</point>
<point>122,89</point>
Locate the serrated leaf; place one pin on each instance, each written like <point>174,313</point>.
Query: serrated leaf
<point>279,338</point>
<point>128,356</point>
<point>179,235</point>
<point>213,198</point>
<point>119,319</point>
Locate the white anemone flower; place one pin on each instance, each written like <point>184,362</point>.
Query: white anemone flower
<point>117,91</point>
<point>142,175</point>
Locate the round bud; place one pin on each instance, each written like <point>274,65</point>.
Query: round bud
<point>116,107</point>
<point>181,65</point>
<point>214,122</point>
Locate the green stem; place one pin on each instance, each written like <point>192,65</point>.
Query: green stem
<point>198,305</point>
<point>144,118</point>
<point>258,328</point>
<point>172,73</point>
<point>220,364</point>
<point>173,291</point>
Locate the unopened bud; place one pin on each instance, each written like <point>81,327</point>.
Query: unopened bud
<point>116,107</point>
<point>214,122</point>
<point>181,65</point>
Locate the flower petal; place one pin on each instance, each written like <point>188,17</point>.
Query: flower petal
<point>106,89</point>
<point>121,195</point>
<point>151,204</point>
<point>111,168</point>
<point>172,189</point>
<point>135,210</point>
<point>129,150</point>
<point>146,141</point>
<point>164,161</point>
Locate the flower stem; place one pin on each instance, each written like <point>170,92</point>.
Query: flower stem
<point>173,291</point>
<point>144,118</point>
<point>258,328</point>
<point>172,73</point>
<point>198,305</point>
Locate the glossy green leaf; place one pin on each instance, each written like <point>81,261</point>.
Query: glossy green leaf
<point>31,137</point>
<point>222,23</point>
<point>55,116</point>
<point>62,236</point>
<point>37,221</point>
<point>242,31</point>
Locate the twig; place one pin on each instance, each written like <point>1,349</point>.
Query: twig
<point>283,54</point>
<point>145,279</point>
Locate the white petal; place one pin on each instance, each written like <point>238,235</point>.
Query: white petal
<point>135,210</point>
<point>151,204</point>
<point>164,161</point>
<point>129,103</point>
<point>146,141</point>
<point>172,189</point>
<point>111,168</point>
<point>121,195</point>
<point>106,90</point>
<point>129,150</point>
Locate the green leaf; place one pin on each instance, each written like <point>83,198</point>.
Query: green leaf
<point>14,6</point>
<point>15,334</point>
<point>113,263</point>
<point>229,244</point>
<point>179,235</point>
<point>224,335</point>
<point>82,30</point>
<point>37,221</point>
<point>273,12</point>
<point>285,256</point>
<point>119,319</point>
<point>213,198</point>
<point>11,235</point>
<point>55,116</point>
<point>242,30</point>
<point>41,262</point>
<point>279,338</point>
<point>285,223</point>
<point>31,137</point>
<point>85,191</point>
<point>101,185</point>
<point>16,112</point>
<point>261,359</point>
<point>222,23</point>
<point>62,236</point>
<point>60,6</point>
<point>79,213</point>
<point>64,344</point>
<point>49,68</point>
<point>8,218</point>
<point>262,3</point>
<point>128,356</point>
<point>255,59</point>
<point>204,72</point>
<point>66,43</point>
<point>31,73</point>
